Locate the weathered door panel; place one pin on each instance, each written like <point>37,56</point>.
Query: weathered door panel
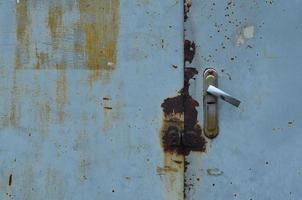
<point>255,47</point>
<point>82,83</point>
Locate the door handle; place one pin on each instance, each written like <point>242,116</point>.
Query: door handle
<point>211,93</point>
<point>223,95</point>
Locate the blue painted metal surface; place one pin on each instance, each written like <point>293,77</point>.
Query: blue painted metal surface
<point>255,46</point>
<point>81,85</point>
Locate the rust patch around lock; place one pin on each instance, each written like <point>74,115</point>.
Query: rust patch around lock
<point>189,51</point>
<point>180,111</point>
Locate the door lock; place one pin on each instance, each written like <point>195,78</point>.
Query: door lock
<point>176,138</point>
<point>211,93</point>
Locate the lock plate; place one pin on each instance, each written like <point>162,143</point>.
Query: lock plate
<point>210,103</point>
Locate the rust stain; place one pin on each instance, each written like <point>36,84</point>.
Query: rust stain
<point>55,24</point>
<point>22,34</point>
<point>180,111</point>
<point>99,20</point>
<point>78,47</point>
<point>44,116</point>
<point>82,147</point>
<point>171,174</point>
<point>61,93</point>
<point>187,7</point>
<point>14,114</point>
<point>189,51</point>
<point>41,59</point>
<point>166,169</point>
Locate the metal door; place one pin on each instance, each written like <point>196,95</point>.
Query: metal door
<point>82,83</point>
<point>255,47</point>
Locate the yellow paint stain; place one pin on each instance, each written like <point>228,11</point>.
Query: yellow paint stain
<point>14,114</point>
<point>41,59</point>
<point>55,24</point>
<point>82,148</point>
<point>99,20</point>
<point>44,116</point>
<point>172,172</point>
<point>78,47</point>
<point>22,33</point>
<point>61,94</point>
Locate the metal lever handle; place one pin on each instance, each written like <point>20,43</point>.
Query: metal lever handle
<point>223,95</point>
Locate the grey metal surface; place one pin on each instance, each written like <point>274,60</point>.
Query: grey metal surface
<point>256,48</point>
<point>81,85</point>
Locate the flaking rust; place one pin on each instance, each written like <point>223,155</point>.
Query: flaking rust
<point>189,51</point>
<point>187,7</point>
<point>180,112</point>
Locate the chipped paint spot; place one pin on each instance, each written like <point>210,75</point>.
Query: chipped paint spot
<point>243,34</point>
<point>55,24</point>
<point>214,172</point>
<point>22,34</point>
<point>189,51</point>
<point>290,124</point>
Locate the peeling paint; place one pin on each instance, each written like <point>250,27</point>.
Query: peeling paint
<point>243,34</point>
<point>189,51</point>
<point>214,172</point>
<point>187,6</point>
